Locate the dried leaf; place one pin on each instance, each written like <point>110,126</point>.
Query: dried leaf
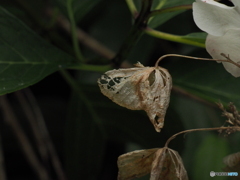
<point>139,88</point>
<point>135,164</point>
<point>233,118</point>
<point>168,165</point>
<point>232,163</point>
<point>232,160</point>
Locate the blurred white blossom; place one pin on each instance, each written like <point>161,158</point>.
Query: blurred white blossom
<point>222,23</point>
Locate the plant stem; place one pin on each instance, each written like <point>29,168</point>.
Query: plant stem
<point>161,4</point>
<point>134,34</point>
<point>200,129</point>
<point>23,140</point>
<point>172,37</point>
<point>132,7</point>
<point>197,58</point>
<point>43,139</point>
<point>3,175</point>
<point>170,9</point>
<point>74,33</point>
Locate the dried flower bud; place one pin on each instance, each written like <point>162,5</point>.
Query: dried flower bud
<point>139,88</point>
<point>135,164</point>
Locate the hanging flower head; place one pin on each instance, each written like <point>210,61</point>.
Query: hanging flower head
<point>222,23</point>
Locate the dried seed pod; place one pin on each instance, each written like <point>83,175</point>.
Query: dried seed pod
<point>232,160</point>
<point>168,165</point>
<point>139,88</point>
<point>135,164</point>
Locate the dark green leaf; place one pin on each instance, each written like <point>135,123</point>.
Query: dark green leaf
<point>25,57</point>
<point>209,157</point>
<point>80,7</point>
<point>210,81</point>
<point>162,18</point>
<point>197,37</point>
<point>123,125</point>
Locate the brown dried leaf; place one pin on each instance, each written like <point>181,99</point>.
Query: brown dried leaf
<point>232,163</point>
<point>139,88</point>
<point>135,164</point>
<point>233,117</point>
<point>232,160</point>
<point>168,165</point>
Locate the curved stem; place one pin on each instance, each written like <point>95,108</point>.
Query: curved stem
<point>200,129</point>
<point>197,58</point>
<point>74,33</point>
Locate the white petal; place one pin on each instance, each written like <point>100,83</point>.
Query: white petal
<point>236,4</point>
<point>213,3</point>
<point>215,18</point>
<point>229,44</point>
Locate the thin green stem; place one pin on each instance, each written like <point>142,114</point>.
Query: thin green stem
<point>76,47</point>
<point>172,37</point>
<point>132,7</point>
<point>170,9</point>
<point>74,85</point>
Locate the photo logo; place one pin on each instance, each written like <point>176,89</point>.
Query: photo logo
<point>212,173</point>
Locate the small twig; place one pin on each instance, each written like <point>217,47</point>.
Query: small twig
<point>45,135</point>
<point>196,58</point>
<point>2,167</point>
<point>231,61</point>
<point>200,129</point>
<point>34,126</point>
<point>83,37</point>
<point>11,120</point>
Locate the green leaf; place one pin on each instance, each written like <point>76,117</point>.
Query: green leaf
<point>199,37</point>
<point>208,80</point>
<point>161,4</point>
<point>209,157</point>
<point>25,57</point>
<point>124,125</point>
<point>80,7</point>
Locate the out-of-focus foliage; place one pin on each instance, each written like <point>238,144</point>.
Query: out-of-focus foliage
<point>33,45</point>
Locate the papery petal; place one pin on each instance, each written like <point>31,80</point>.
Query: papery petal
<point>236,4</point>
<point>215,18</point>
<point>229,44</point>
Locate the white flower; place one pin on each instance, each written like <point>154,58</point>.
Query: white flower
<point>222,23</point>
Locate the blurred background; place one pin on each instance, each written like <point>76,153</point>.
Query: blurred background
<point>89,132</point>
